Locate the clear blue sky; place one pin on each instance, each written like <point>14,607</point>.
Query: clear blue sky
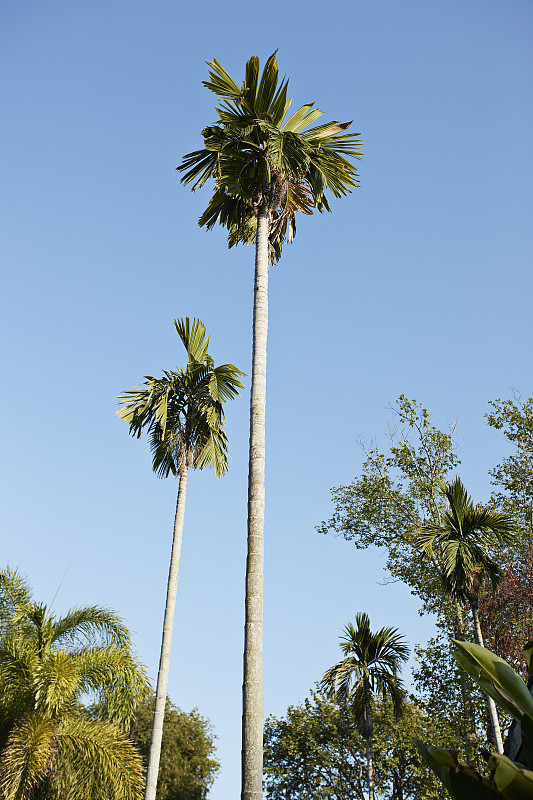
<point>420,282</point>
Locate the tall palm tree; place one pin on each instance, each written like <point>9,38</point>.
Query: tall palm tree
<point>183,416</point>
<point>462,545</point>
<point>266,167</point>
<point>370,666</point>
<point>50,745</point>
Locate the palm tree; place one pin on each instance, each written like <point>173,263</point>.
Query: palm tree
<point>50,744</point>
<point>462,545</point>
<point>266,167</point>
<point>370,666</point>
<point>183,416</point>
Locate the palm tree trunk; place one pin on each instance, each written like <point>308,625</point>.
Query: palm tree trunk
<point>495,722</point>
<point>164,661</point>
<point>252,690</point>
<point>470,725</point>
<point>370,768</point>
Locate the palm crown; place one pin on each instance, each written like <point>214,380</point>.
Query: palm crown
<point>182,411</point>
<point>258,155</point>
<point>49,742</point>
<point>370,664</point>
<point>463,542</point>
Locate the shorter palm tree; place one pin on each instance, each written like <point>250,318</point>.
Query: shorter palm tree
<point>369,667</point>
<point>182,412</point>
<point>463,544</point>
<point>50,744</point>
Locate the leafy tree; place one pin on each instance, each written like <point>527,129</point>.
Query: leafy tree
<point>514,476</point>
<point>396,493</point>
<point>266,167</point>
<point>50,747</point>
<point>507,614</point>
<point>316,751</point>
<point>439,683</point>
<point>183,416</point>
<point>369,667</point>
<point>399,773</point>
<point>462,544</point>
<point>187,767</point>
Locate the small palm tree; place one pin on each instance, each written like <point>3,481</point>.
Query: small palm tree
<point>267,165</point>
<point>369,667</point>
<point>183,416</point>
<point>462,545</point>
<point>50,745</point>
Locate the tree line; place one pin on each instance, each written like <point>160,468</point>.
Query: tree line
<point>457,557</point>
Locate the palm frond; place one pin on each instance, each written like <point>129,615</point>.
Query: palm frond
<point>24,761</point>
<point>96,759</point>
<point>370,664</point>
<point>192,335</point>
<point>182,412</point>
<point>114,678</point>
<point>83,624</point>
<point>14,591</point>
<point>462,544</point>
<point>256,149</point>
<point>221,82</point>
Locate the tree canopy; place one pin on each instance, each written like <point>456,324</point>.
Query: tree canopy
<point>188,766</point>
<point>316,752</point>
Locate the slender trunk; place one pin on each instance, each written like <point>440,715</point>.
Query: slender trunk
<point>370,768</point>
<point>495,722</point>
<point>366,728</point>
<point>164,661</point>
<point>252,690</point>
<point>470,725</point>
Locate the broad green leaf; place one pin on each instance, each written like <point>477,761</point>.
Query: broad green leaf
<point>496,677</point>
<point>462,781</point>
<point>513,783</point>
<point>528,655</point>
<point>526,728</point>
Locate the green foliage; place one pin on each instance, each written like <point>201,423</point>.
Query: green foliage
<point>439,683</point>
<point>187,767</point>
<point>183,411</point>
<point>514,476</point>
<point>370,665</point>
<point>398,492</point>
<point>256,154</point>
<point>507,614</point>
<point>463,543</point>
<point>316,752</point>
<point>50,746</point>
<point>507,779</point>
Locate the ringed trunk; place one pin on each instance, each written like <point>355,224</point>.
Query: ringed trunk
<point>366,727</point>
<point>252,690</point>
<point>470,725</point>
<point>494,721</point>
<point>370,768</point>
<point>164,661</point>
